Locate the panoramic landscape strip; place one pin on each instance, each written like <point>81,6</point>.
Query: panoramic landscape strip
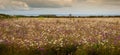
<point>59,27</point>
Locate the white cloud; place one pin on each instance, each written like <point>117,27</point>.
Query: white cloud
<point>13,5</point>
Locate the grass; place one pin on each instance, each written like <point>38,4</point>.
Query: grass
<point>96,36</point>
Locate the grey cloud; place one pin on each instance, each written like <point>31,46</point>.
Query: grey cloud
<point>100,2</point>
<point>105,2</point>
<point>26,4</point>
<point>48,3</point>
<point>112,2</point>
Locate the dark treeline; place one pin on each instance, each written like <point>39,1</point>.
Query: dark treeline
<point>2,16</point>
<point>5,16</point>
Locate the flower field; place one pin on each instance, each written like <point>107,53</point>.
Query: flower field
<point>62,36</point>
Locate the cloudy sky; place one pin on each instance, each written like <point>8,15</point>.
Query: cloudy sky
<point>76,7</point>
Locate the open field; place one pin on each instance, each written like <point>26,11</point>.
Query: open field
<point>62,36</point>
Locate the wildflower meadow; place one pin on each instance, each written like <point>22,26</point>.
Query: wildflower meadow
<point>60,36</point>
